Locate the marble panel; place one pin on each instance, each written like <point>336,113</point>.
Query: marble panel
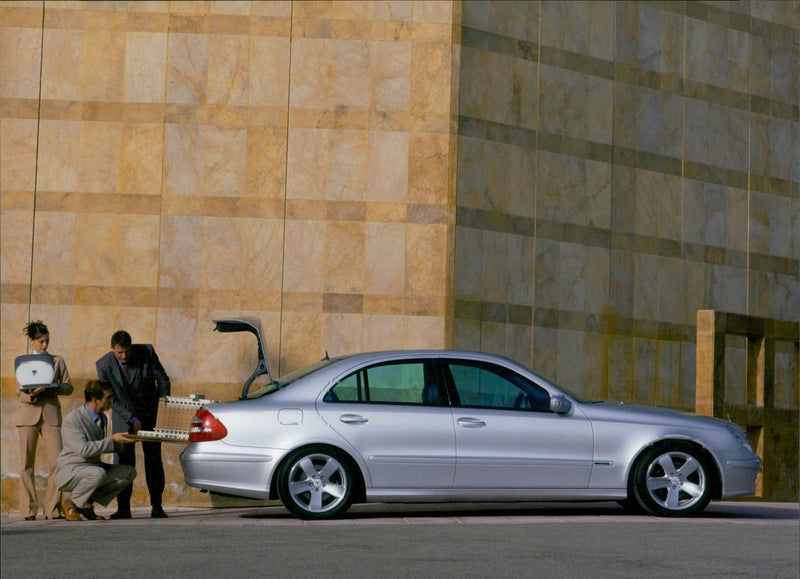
<point>311,73</point>
<point>18,154</point>
<point>426,260</point>
<point>595,367</point>
<point>421,332</point>
<point>519,260</point>
<point>385,258</point>
<point>103,66</point>
<point>262,252</point>
<point>390,71</point>
<point>228,69</point>
<point>388,169</point>
<point>348,158</point>
<point>545,352</point>
<point>265,165</point>
<point>187,69</point>
<point>583,28</point>
<point>784,136</point>
<point>269,71</point>
<point>670,284</point>
<point>180,246</point>
<point>301,340</point>
<point>304,256</point>
<point>621,376</point>
<point>474,82</point>
<point>16,234</point>
<point>183,161</point>
<point>658,205</point>
<point>54,257</point>
<point>220,240</point>
<point>224,156</point>
<point>350,74</point>
<point>469,263</point>
<point>141,163</point>
<point>343,265</point>
<point>570,360</point>
<point>341,334</point>
<point>547,276</point>
<point>61,64</point>
<point>308,153</point>
<point>727,289</point>
<point>237,7</point>
<point>99,157</point>
<point>57,166</point>
<point>430,77</point>
<point>20,54</point>
<point>494,274</point>
<point>428,159</point>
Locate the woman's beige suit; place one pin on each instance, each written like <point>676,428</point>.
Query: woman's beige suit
<point>41,416</point>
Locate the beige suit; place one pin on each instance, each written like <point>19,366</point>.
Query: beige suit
<point>41,416</point>
<point>79,469</point>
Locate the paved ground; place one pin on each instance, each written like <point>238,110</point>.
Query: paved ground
<point>730,539</point>
<point>442,514</point>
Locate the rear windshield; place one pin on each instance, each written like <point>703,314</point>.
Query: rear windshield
<point>284,381</point>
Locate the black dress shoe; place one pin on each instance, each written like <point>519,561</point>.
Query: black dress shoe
<point>30,518</point>
<point>158,513</point>
<point>88,513</point>
<point>121,515</point>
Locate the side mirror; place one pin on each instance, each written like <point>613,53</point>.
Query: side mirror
<point>560,405</point>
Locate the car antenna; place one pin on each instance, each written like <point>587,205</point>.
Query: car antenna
<point>326,356</point>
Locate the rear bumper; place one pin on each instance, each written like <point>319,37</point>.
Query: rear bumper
<point>241,474</point>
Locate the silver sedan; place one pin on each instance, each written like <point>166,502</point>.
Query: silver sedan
<point>445,426</point>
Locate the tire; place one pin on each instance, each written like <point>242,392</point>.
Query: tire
<point>672,480</point>
<point>316,483</point>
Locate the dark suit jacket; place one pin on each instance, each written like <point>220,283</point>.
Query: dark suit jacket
<point>135,394</point>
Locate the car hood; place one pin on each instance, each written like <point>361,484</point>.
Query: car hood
<point>649,414</point>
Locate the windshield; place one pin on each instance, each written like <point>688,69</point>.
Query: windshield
<point>284,381</point>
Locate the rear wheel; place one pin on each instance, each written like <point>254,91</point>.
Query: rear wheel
<point>316,483</point>
<point>672,480</point>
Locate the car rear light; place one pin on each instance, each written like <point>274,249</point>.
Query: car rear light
<point>206,427</point>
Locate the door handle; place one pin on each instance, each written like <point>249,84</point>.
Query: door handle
<point>353,419</point>
<point>471,422</point>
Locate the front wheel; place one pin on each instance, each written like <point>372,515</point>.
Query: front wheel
<point>315,483</point>
<point>672,481</point>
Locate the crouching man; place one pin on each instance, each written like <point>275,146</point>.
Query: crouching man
<point>79,471</point>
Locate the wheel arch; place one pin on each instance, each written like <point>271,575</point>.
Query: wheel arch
<point>359,485</point>
<point>714,472</point>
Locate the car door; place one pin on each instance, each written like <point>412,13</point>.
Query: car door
<point>395,414</point>
<point>506,437</point>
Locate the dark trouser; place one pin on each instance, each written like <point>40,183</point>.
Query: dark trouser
<point>153,470</point>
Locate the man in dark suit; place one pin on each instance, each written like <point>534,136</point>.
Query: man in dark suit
<point>139,380</point>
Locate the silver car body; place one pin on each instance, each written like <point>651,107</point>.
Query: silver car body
<point>420,453</point>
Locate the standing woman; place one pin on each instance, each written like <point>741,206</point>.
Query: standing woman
<point>39,413</point>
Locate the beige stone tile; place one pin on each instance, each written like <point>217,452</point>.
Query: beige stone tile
<point>228,69</point>
<point>393,10</point>
<point>425,263</point>
<point>423,332</point>
<point>183,162</point>
<point>341,334</point>
<point>388,166</point>
<point>382,332</point>
<point>311,73</point>
<point>385,258</point>
<point>430,78</point>
<point>99,157</point>
<point>350,74</point>
<point>141,164</point>
<point>390,71</point>
<point>61,64</point>
<point>187,70</point>
<point>428,168</point>
<point>180,247</point>
<point>54,248</point>
<point>145,67</point>
<point>307,164</point>
<point>20,55</point>
<point>301,340</point>
<point>16,232</point>
<point>347,172</point>
<point>18,154</point>
<point>343,267</point>
<point>304,257</point>
<point>96,248</point>
<point>224,162</point>
<point>269,72</point>
<point>58,142</point>
<point>103,66</point>
<point>262,250</point>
